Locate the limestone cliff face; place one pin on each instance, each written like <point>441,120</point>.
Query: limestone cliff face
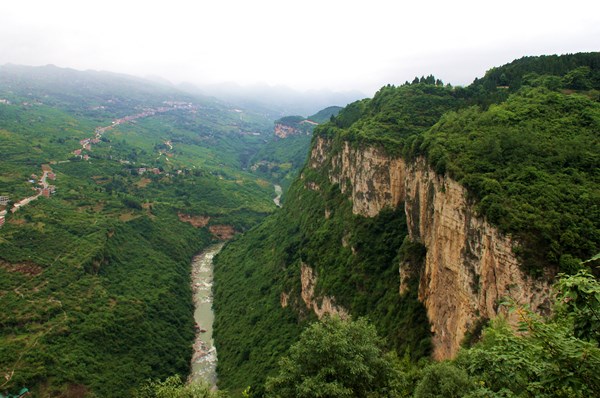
<point>469,267</point>
<point>369,176</point>
<point>320,306</point>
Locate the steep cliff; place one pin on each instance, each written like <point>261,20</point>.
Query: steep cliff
<point>470,267</point>
<point>423,213</point>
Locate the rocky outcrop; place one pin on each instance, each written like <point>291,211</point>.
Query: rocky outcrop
<point>469,267</point>
<point>321,306</point>
<point>371,178</point>
<point>284,131</point>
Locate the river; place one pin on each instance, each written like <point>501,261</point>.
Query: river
<point>204,360</point>
<point>278,192</point>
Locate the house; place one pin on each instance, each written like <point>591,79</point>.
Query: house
<point>4,200</point>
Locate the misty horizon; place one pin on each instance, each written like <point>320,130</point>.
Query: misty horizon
<point>337,46</point>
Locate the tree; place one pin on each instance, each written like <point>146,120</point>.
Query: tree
<point>443,380</point>
<point>335,358</point>
<point>174,387</point>
<point>578,79</point>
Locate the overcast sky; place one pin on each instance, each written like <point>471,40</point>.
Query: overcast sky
<point>308,44</point>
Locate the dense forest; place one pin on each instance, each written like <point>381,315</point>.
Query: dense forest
<point>525,147</point>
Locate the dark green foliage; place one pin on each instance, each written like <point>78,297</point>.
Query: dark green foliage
<point>578,298</point>
<point>543,358</point>
<point>443,380</point>
<point>291,121</point>
<point>532,165</point>
<point>251,329</point>
<point>574,68</point>
<point>393,115</point>
<point>335,358</point>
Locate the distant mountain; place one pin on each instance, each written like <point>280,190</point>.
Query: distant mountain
<point>281,159</point>
<point>324,115</point>
<point>276,101</point>
<point>298,125</point>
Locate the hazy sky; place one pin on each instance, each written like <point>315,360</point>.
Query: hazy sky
<point>304,44</point>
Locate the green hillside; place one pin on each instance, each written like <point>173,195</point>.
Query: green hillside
<point>530,163</point>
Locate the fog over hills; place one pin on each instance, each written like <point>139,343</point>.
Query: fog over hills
<point>276,100</point>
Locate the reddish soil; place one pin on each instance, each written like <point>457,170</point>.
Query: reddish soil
<point>27,268</point>
<point>196,221</point>
<point>222,232</point>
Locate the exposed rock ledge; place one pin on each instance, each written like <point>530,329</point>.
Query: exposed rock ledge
<point>469,267</point>
<point>327,304</point>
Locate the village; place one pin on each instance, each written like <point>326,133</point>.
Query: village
<point>44,189</point>
<point>86,143</point>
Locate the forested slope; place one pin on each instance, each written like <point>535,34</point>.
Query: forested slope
<point>528,158</point>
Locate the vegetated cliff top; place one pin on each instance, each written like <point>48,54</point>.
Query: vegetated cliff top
<point>529,158</point>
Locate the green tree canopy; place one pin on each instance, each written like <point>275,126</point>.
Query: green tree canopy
<point>335,358</point>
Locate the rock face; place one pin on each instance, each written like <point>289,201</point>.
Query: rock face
<point>327,304</point>
<point>469,266</point>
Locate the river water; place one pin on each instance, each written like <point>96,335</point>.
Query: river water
<point>204,360</point>
<point>278,192</point>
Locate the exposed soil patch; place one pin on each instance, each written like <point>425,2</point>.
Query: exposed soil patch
<point>127,216</point>
<point>75,391</point>
<point>26,268</point>
<point>143,183</point>
<point>196,221</point>
<point>101,180</point>
<point>222,232</point>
